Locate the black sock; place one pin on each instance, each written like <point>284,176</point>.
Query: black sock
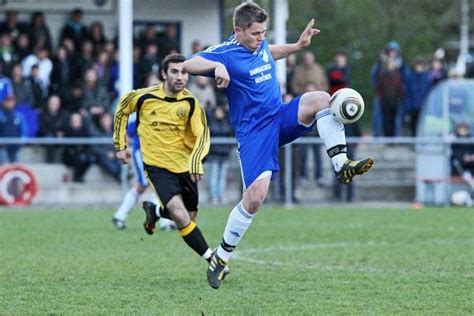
<point>193,237</point>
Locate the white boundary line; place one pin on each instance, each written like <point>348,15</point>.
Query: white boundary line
<point>247,255</point>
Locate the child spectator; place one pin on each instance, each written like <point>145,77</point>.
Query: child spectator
<point>53,122</point>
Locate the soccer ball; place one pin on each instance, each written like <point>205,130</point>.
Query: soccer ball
<point>346,105</point>
<point>461,198</point>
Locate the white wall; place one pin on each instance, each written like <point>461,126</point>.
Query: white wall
<point>200,19</point>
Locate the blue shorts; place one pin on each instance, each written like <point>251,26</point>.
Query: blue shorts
<point>259,152</point>
<point>138,163</point>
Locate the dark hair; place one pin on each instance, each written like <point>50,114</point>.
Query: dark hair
<point>171,58</point>
<point>247,13</point>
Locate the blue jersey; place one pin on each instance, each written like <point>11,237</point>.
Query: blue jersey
<point>253,92</point>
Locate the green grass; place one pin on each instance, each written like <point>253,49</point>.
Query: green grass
<point>298,262</point>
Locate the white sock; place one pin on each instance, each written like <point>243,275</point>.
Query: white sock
<point>332,133</point>
<point>152,198</point>
<point>237,223</point>
<point>129,202</point>
<point>207,254</point>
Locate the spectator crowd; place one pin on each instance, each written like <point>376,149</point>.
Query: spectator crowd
<point>68,89</point>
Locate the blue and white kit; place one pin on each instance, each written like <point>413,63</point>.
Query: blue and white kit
<point>260,118</point>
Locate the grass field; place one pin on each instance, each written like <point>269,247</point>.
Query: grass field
<point>298,262</point>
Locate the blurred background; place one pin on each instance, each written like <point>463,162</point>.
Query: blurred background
<point>63,68</point>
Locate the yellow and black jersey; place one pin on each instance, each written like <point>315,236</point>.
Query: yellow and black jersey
<point>173,132</point>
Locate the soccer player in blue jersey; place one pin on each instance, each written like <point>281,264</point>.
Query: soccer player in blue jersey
<point>244,66</point>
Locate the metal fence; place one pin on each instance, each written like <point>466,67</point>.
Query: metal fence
<point>424,159</point>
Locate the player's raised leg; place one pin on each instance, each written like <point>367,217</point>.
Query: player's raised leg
<point>316,105</point>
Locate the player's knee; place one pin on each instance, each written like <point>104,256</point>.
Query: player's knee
<point>253,200</point>
<point>322,100</point>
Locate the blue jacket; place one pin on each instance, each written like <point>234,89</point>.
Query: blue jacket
<point>417,88</point>
<point>12,124</point>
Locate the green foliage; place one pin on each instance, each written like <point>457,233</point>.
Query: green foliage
<point>299,262</point>
<point>363,27</point>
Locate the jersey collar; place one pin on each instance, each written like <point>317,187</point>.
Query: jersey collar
<point>161,93</point>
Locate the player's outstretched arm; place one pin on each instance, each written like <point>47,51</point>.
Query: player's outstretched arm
<point>284,50</point>
<point>200,66</point>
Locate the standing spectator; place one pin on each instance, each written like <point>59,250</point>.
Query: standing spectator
<point>77,156</point>
<point>290,73</point>
<point>62,71</point>
<point>302,151</point>
<point>73,97</point>
<point>338,73</point>
<point>203,90</point>
<point>7,52</point>
<point>308,71</point>
<point>391,51</point>
<point>390,91</point>
<point>74,28</point>
<point>84,60</point>
<point>96,98</point>
<point>22,47</point>
<point>150,62</point>
<point>97,35</point>
<point>37,88</point>
<point>104,155</point>
<point>218,157</point>
<point>22,87</point>
<point>6,87</point>
<point>53,121</point>
<point>196,46</point>
<point>39,33</point>
<point>25,101</point>
<point>309,76</point>
<point>417,87</point>
<point>11,25</point>
<point>11,125</point>
<point>148,36</point>
<point>168,41</point>
<point>437,71</point>
<point>39,58</point>
<point>102,68</point>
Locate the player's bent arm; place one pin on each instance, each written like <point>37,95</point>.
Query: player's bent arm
<point>283,50</point>
<point>198,65</point>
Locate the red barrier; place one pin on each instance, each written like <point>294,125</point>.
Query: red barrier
<point>17,185</point>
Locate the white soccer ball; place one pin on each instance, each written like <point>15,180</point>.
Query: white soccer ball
<point>461,198</point>
<point>346,105</point>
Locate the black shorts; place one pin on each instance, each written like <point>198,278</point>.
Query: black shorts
<point>168,184</point>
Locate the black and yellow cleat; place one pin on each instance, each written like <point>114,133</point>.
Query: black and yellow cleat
<point>352,168</point>
<point>150,217</point>
<point>216,271</point>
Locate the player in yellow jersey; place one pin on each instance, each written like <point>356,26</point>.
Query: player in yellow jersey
<point>174,138</point>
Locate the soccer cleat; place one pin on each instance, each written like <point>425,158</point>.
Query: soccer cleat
<point>352,168</point>
<point>118,223</point>
<point>216,271</point>
<point>150,217</point>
